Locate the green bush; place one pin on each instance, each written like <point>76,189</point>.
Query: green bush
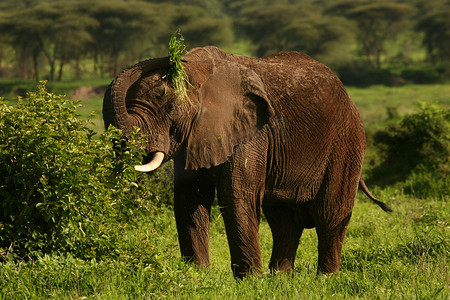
<point>358,74</point>
<point>160,182</point>
<point>416,152</point>
<point>62,189</point>
<point>423,74</point>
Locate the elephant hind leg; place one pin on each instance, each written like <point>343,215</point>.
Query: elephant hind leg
<point>331,211</point>
<point>330,240</point>
<point>286,235</point>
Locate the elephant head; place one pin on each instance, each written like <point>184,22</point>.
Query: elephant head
<point>227,104</point>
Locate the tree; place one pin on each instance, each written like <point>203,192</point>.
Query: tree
<point>22,32</point>
<point>65,35</point>
<point>56,30</point>
<point>276,27</point>
<point>376,22</point>
<point>199,27</point>
<point>111,32</point>
<point>121,24</point>
<point>213,7</point>
<point>72,34</point>
<point>435,24</point>
<point>11,5</point>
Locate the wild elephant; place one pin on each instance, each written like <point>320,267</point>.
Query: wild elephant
<point>278,133</point>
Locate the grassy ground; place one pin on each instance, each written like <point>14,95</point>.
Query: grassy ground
<point>403,255</point>
<point>379,105</point>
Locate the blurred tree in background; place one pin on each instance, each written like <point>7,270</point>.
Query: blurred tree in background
<point>96,38</point>
<point>434,22</point>
<point>376,22</point>
<point>283,26</point>
<point>109,32</point>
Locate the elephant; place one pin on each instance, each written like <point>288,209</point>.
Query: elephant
<point>278,134</point>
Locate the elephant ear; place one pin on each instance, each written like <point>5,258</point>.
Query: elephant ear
<point>233,107</point>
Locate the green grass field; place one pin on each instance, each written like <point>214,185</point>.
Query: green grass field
<point>379,105</point>
<point>402,255</point>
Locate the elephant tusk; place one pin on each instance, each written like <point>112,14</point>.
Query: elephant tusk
<point>152,165</point>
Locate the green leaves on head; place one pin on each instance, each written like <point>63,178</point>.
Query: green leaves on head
<point>177,73</point>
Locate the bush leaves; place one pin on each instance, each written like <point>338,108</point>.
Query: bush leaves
<point>63,189</point>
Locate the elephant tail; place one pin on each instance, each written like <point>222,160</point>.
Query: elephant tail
<point>366,191</point>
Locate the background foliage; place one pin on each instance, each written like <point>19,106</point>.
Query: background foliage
<point>416,152</point>
<point>83,39</point>
<point>63,190</point>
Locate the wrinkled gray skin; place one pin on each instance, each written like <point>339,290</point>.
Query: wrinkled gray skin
<point>278,133</point>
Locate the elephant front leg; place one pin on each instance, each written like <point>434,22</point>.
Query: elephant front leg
<point>240,192</point>
<point>193,197</point>
<point>242,225</point>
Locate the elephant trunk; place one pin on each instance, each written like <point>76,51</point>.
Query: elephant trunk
<point>114,104</point>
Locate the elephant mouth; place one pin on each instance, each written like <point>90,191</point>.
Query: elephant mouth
<point>154,163</point>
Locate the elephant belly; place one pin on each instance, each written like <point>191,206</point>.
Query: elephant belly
<point>292,197</point>
<point>301,213</point>
<point>298,183</point>
<point>303,217</point>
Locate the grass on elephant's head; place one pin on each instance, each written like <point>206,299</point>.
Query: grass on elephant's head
<point>177,73</point>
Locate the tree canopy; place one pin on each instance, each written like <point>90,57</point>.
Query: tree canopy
<point>376,22</point>
<point>435,24</point>
<point>107,31</point>
<point>42,38</point>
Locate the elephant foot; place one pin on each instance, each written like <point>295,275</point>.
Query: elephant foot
<point>283,266</point>
<point>240,272</point>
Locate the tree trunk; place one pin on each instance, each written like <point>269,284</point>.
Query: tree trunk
<point>60,72</point>
<point>52,71</point>
<point>21,65</point>
<point>36,65</point>
<point>51,59</point>
<point>77,68</point>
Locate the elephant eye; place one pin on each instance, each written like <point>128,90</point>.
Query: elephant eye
<point>169,107</point>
